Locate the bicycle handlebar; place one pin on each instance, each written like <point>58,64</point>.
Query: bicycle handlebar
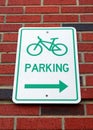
<point>50,38</point>
<point>39,38</point>
<point>54,38</point>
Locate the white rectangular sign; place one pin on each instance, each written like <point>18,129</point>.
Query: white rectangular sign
<point>47,66</point>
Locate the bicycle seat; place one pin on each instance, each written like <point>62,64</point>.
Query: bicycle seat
<point>54,38</point>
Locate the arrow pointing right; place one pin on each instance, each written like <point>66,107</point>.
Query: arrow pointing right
<point>61,86</point>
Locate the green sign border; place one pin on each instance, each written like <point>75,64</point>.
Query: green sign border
<point>18,66</point>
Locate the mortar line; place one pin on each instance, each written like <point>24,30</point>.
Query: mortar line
<point>77,2</point>
<point>42,3</point>
<point>6,2</point>
<point>40,110</point>
<point>63,124</point>
<point>60,10</point>
<point>82,57</point>
<point>2,37</point>
<point>15,123</point>
<point>79,20</point>
<point>60,116</point>
<point>85,112</point>
<point>41,22</point>
<point>84,81</point>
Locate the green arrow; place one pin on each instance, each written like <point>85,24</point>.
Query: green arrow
<point>61,86</point>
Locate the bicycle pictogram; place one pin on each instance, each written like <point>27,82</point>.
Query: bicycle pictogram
<point>58,49</point>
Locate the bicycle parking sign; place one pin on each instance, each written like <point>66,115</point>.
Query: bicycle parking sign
<point>58,49</point>
<point>46,66</point>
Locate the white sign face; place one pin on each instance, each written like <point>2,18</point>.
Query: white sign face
<point>47,66</point>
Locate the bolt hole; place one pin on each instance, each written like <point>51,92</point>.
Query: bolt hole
<point>46,95</point>
<point>47,31</point>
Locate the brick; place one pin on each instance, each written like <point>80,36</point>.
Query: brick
<point>1,19</point>
<point>23,2</point>
<point>8,47</point>
<point>10,27</point>
<point>10,37</point>
<point>86,18</point>
<point>23,18</point>
<point>62,110</point>
<point>86,68</point>
<point>6,80</point>
<point>80,27</point>
<point>14,110</point>
<point>2,2</point>
<point>11,10</point>
<point>81,80</point>
<point>5,94</point>
<point>89,109</point>
<point>6,123</point>
<point>59,2</point>
<point>78,123</point>
<point>60,18</point>
<point>89,80</point>
<point>79,57</point>
<point>86,2</point>
<point>8,58</point>
<point>78,36</point>
<point>76,9</point>
<point>87,36</point>
<point>43,9</point>
<point>88,57</point>
<point>85,47</point>
<point>39,123</point>
<point>87,93</point>
<point>42,25</point>
<point>7,69</point>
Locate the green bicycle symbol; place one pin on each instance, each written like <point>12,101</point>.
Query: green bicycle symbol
<point>57,49</point>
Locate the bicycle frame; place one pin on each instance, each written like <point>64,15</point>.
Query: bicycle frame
<point>42,42</point>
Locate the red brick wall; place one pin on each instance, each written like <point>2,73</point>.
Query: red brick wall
<point>47,13</point>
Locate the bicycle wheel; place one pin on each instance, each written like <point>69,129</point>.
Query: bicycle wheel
<point>34,50</point>
<point>59,49</point>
